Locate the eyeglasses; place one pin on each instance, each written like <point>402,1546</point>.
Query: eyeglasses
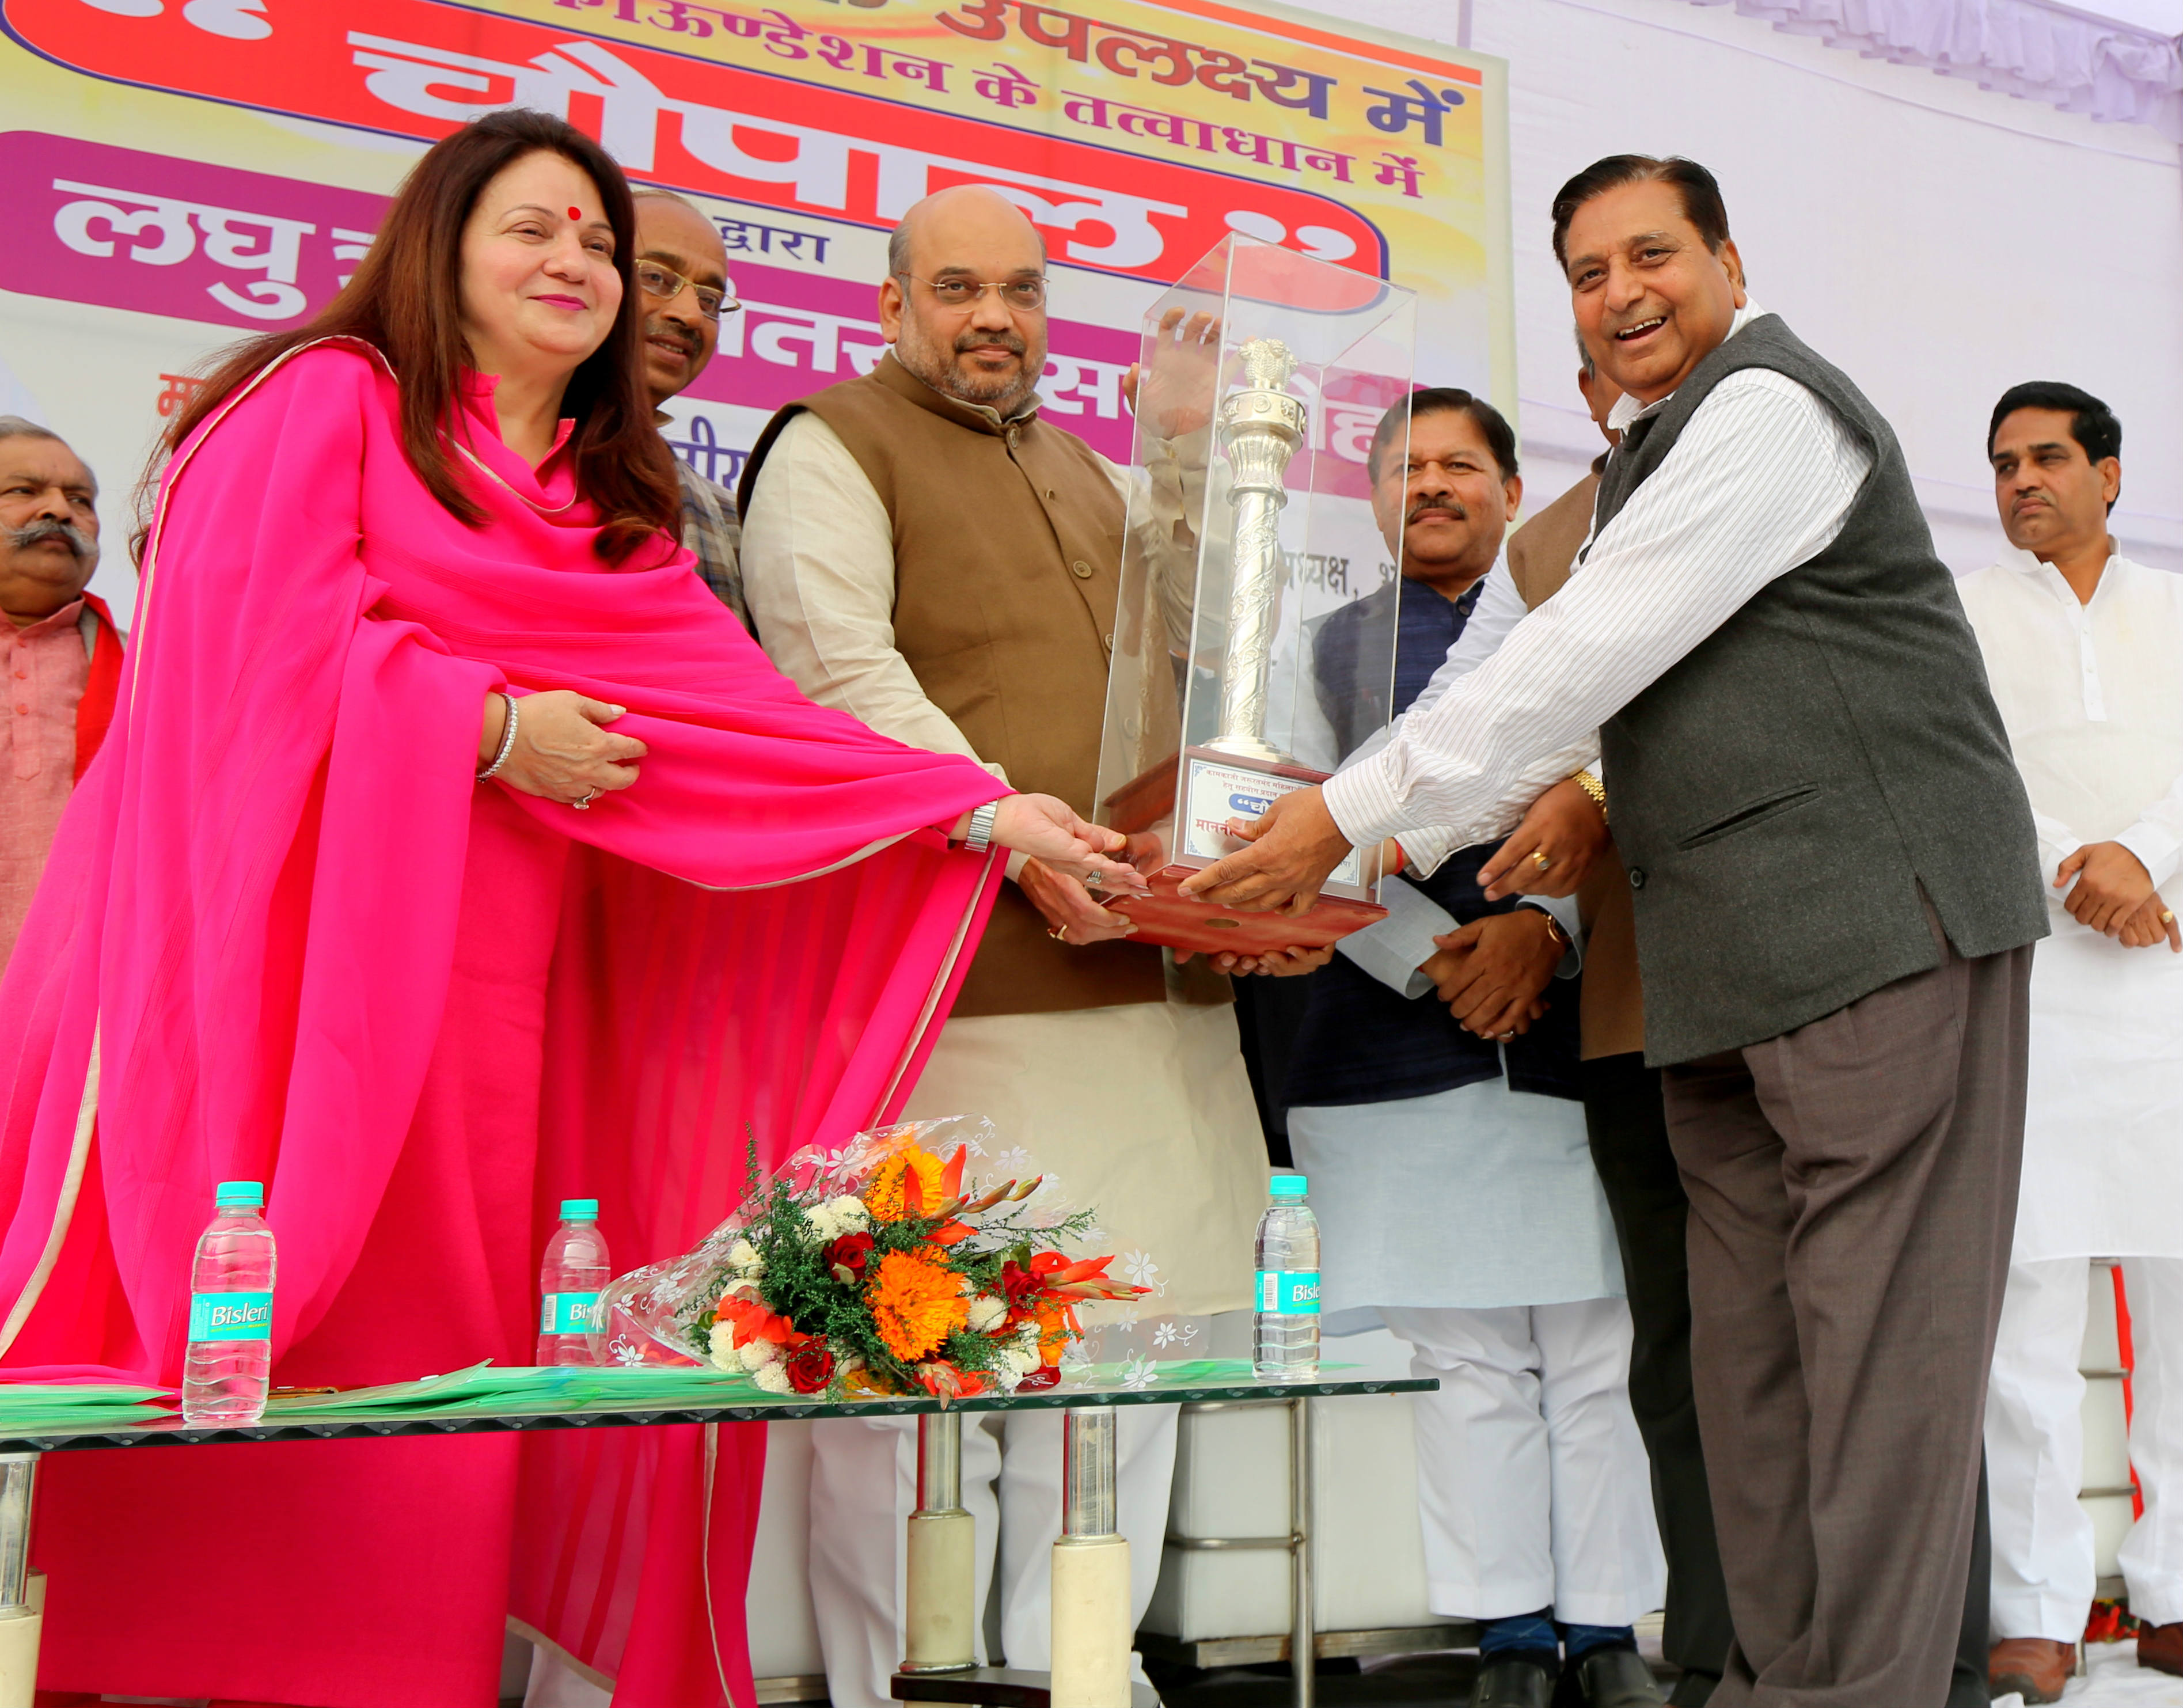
<point>962,293</point>
<point>667,285</point>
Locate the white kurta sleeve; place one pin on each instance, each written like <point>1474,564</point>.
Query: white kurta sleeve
<point>2157,838</point>
<point>817,559</point>
<point>1394,949</point>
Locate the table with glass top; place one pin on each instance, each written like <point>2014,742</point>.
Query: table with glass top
<point>1092,1627</point>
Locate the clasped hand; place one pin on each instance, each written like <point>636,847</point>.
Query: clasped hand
<point>2114,894</point>
<point>1490,972</point>
<point>563,751</point>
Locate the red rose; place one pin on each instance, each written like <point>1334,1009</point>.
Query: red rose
<point>848,1257</point>
<point>810,1367</point>
<point>1046,1375</point>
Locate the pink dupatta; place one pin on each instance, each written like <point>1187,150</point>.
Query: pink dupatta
<point>237,965</point>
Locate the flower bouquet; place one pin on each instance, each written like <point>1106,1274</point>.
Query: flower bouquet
<point>884,1268</point>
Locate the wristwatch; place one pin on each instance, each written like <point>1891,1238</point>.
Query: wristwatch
<point>981,827</point>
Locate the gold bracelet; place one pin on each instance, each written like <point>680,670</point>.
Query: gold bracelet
<point>1593,785</point>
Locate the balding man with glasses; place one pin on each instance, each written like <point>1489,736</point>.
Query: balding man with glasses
<point>922,550</point>
<point>683,268</point>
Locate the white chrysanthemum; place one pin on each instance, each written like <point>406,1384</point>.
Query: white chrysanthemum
<point>723,1342</point>
<point>744,1261</point>
<point>1020,1359</point>
<point>825,1226</point>
<point>756,1355</point>
<point>773,1378</point>
<point>988,1313</point>
<point>849,1213</point>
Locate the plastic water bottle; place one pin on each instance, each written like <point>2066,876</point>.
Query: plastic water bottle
<point>569,1284</point>
<point>231,1350</point>
<point>1285,1328</point>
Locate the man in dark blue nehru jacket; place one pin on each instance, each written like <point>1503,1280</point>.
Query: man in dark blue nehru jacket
<point>1837,887</point>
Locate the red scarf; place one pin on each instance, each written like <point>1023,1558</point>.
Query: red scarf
<point>95,711</point>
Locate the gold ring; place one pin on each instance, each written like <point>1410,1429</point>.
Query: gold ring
<point>1539,860</point>
<point>2167,916</point>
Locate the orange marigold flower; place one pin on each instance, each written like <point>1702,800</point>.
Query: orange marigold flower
<point>916,1305</point>
<point>887,1198</point>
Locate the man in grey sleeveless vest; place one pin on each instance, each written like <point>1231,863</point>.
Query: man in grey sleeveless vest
<point>1836,887</point>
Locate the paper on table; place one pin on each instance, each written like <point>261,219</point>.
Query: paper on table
<point>490,1389</point>
<point>560,1387</point>
<point>25,1403</point>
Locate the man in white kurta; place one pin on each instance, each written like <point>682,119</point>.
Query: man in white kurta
<point>2085,651</point>
<point>968,608</point>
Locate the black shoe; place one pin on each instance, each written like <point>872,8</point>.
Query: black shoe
<point>1618,1678</point>
<point>1514,1682</point>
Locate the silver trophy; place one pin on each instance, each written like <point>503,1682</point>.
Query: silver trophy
<point>1239,638</point>
<point>1260,428</point>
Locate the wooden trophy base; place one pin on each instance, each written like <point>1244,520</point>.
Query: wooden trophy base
<point>1169,917</point>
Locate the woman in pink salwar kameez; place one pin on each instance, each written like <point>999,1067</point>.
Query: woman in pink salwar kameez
<point>287,935</point>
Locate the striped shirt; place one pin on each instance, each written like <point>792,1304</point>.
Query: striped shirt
<point>711,530</point>
<point>1761,480</point>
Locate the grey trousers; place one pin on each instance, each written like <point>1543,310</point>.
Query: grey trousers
<point>1852,1189</point>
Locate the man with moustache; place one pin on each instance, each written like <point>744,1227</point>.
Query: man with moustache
<point>62,656</point>
<point>683,268</point>
<point>1431,1051</point>
<point>2080,646</point>
<point>1836,883</point>
<point>923,550</point>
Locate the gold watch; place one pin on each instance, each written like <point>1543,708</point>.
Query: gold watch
<point>1593,785</point>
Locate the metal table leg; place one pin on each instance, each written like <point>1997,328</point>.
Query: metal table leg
<point>940,1612</point>
<point>1091,1570</point>
<point>1092,1634</point>
<point>19,1622</point>
<point>1304,1644</point>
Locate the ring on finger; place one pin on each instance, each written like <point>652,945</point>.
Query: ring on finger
<point>1540,859</point>
<point>1059,934</point>
<point>588,796</point>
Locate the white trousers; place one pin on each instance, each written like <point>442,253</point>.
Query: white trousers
<point>2043,1576</point>
<point>1011,1487</point>
<point>1532,1480</point>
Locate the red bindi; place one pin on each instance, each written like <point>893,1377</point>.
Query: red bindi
<point>575,213</point>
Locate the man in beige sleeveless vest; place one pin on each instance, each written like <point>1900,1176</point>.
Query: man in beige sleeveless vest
<point>921,550</point>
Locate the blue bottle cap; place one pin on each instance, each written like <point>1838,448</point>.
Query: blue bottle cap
<point>1289,1186</point>
<point>580,1210</point>
<point>239,1194</point>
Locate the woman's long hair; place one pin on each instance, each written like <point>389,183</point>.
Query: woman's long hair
<point>406,298</point>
